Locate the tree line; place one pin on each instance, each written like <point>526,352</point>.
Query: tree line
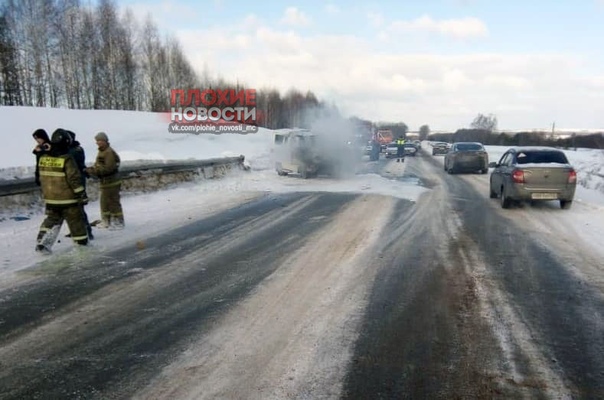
<point>486,137</point>
<point>60,53</point>
<point>483,127</point>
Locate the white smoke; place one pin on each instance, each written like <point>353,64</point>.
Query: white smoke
<point>338,145</point>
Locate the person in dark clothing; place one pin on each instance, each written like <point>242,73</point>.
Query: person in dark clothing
<point>42,147</point>
<point>375,150</point>
<point>400,149</point>
<point>79,156</point>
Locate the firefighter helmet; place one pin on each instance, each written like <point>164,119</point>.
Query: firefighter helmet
<point>60,137</point>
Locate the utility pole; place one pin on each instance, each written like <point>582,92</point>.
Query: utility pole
<point>553,130</point>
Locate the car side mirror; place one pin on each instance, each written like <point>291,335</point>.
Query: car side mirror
<point>492,165</point>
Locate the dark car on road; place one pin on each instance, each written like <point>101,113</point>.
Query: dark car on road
<point>391,150</point>
<point>467,156</point>
<point>533,174</point>
<point>410,149</point>
<point>440,148</point>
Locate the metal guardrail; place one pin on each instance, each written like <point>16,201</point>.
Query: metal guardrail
<point>128,172</point>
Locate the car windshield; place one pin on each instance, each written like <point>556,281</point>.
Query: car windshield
<point>469,147</point>
<point>541,157</point>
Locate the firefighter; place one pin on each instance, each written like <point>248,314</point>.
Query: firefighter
<point>400,149</point>
<point>63,194</point>
<point>106,168</point>
<point>79,156</point>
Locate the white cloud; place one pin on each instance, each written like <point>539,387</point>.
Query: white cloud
<point>462,28</point>
<point>331,9</point>
<point>375,19</point>
<point>597,81</point>
<point>463,3</point>
<point>378,82</point>
<point>295,17</point>
<point>513,82</point>
<point>444,91</point>
<point>165,12</point>
<point>251,22</point>
<point>281,42</point>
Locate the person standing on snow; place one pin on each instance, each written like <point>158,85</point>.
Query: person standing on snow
<point>43,146</point>
<point>106,168</point>
<point>64,195</point>
<point>376,149</point>
<point>79,156</point>
<point>400,149</point>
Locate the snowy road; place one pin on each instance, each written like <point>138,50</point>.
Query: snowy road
<point>319,295</point>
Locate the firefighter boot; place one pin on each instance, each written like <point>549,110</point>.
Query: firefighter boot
<point>46,239</point>
<point>117,223</point>
<point>105,222</point>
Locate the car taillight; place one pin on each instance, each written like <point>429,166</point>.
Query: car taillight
<point>518,176</point>
<point>572,176</point>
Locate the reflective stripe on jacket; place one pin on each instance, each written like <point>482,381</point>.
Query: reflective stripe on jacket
<point>60,180</point>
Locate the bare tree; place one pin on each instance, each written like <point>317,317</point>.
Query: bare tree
<point>10,86</point>
<point>181,72</point>
<point>424,131</point>
<point>60,53</point>
<point>108,30</point>
<point>486,123</point>
<point>150,48</point>
<point>274,111</point>
<point>66,24</point>
<point>87,62</point>
<point>125,68</point>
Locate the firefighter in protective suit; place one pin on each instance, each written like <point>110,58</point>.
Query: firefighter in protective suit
<point>63,193</point>
<point>106,168</point>
<point>400,149</point>
<point>79,156</point>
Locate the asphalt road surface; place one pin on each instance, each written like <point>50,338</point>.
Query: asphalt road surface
<point>318,295</point>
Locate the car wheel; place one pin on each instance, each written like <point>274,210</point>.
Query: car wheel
<point>506,202</point>
<point>280,172</point>
<point>565,204</point>
<point>492,193</point>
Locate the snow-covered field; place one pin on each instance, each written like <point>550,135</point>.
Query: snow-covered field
<point>140,137</point>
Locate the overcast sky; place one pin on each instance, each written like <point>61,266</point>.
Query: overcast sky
<point>435,62</point>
